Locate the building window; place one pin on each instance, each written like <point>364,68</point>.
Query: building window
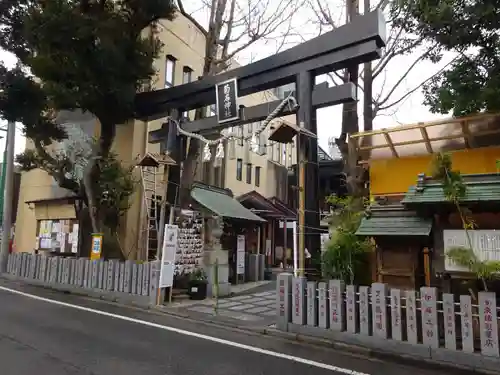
<point>212,110</point>
<point>169,71</point>
<point>257,176</point>
<point>284,154</point>
<point>239,169</point>
<point>187,74</point>
<point>249,173</point>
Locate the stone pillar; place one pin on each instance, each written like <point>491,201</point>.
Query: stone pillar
<point>365,326</point>
<point>428,303</point>
<point>411,316</point>
<point>488,324</point>
<point>396,321</point>
<point>262,265</point>
<point>154,280</point>
<point>299,300</point>
<point>253,267</point>
<point>466,324</point>
<point>323,306</point>
<point>284,301</point>
<point>214,253</point>
<point>351,309</point>
<point>337,306</point>
<point>379,311</point>
<point>450,336</point>
<point>312,304</point>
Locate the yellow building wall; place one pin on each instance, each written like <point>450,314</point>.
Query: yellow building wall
<point>395,176</point>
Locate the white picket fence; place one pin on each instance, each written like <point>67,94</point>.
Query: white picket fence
<point>113,276</point>
<point>424,318</point>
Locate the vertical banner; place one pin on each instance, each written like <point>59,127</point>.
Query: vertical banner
<point>168,256</point>
<point>240,254</point>
<point>95,254</point>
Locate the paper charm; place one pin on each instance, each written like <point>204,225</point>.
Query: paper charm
<point>207,155</point>
<point>255,143</point>
<point>219,154</point>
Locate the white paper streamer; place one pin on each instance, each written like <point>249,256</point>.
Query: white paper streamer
<point>255,143</point>
<point>207,155</point>
<point>219,154</point>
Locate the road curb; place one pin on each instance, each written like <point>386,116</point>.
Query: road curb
<point>402,359</point>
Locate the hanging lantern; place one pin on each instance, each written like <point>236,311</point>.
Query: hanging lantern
<point>207,155</point>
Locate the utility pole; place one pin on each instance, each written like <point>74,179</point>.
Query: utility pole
<point>8,194</point>
<point>367,87</point>
<point>2,178</point>
<point>307,170</point>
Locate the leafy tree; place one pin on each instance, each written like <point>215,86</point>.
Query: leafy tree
<point>77,54</point>
<point>346,255</point>
<point>468,28</point>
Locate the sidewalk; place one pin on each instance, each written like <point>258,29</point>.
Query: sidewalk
<point>250,307</point>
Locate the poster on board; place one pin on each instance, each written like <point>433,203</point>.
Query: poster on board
<point>168,256</point>
<point>240,254</point>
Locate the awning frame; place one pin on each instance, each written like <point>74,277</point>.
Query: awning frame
<point>450,134</point>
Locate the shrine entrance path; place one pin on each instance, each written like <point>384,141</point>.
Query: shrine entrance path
<point>252,308</point>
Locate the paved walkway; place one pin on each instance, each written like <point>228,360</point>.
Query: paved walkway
<point>253,308</point>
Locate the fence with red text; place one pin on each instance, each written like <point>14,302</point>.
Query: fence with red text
<point>419,319</point>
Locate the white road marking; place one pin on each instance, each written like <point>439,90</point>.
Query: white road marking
<point>191,334</point>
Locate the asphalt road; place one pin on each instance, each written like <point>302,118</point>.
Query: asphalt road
<point>39,337</point>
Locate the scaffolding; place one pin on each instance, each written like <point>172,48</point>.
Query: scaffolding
<point>154,188</point>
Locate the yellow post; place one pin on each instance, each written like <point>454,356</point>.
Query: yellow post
<point>95,253</point>
<point>427,267</point>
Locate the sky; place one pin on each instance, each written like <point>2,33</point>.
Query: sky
<point>409,111</point>
<point>20,141</point>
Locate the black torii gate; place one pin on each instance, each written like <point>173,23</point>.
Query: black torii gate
<point>355,43</point>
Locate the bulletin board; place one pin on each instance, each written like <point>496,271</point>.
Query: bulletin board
<point>59,236</point>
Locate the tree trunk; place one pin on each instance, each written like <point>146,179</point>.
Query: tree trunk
<point>91,171</point>
<point>189,167</point>
<point>350,122</point>
<point>191,163</point>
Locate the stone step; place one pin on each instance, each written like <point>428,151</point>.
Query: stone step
<point>180,297</point>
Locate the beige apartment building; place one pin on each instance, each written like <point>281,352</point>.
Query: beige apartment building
<point>41,200</point>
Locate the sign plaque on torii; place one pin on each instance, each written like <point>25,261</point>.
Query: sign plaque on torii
<point>355,43</point>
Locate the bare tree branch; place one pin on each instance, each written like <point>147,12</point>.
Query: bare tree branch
<point>398,44</point>
<point>382,107</point>
<point>180,5</point>
<point>395,51</point>
<point>233,26</point>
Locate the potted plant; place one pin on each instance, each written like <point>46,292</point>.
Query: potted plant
<point>197,285</point>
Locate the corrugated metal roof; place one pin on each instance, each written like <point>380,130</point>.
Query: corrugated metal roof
<point>394,226</point>
<point>480,188</point>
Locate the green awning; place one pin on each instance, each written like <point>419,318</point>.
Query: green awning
<point>480,188</point>
<point>394,226</point>
<point>223,205</point>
